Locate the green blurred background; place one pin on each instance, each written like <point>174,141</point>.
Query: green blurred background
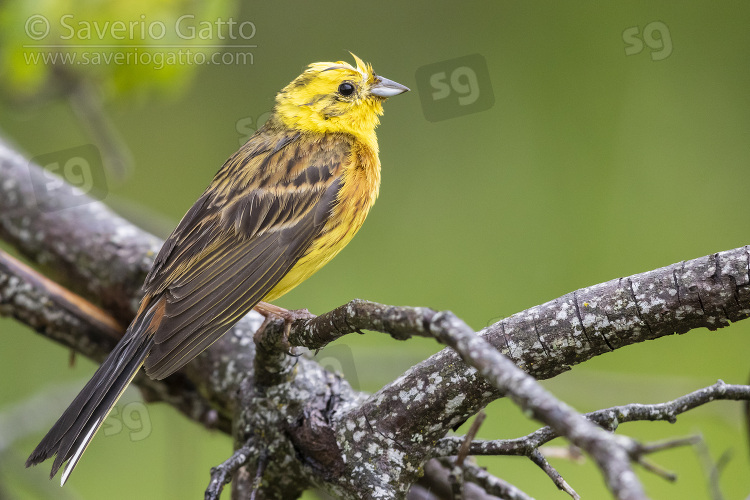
<point>589,164</point>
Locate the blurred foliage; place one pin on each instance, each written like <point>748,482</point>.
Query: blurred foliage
<point>598,159</point>
<point>125,47</point>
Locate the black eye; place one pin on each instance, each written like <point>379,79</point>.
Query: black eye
<point>346,89</point>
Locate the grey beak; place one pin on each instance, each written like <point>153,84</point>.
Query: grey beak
<point>387,88</point>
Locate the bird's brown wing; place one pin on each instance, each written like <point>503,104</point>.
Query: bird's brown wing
<point>254,222</point>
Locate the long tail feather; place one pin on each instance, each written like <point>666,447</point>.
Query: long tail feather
<point>74,430</point>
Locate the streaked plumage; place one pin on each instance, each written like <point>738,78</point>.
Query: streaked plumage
<point>277,211</point>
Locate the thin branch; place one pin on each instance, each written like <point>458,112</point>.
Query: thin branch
<point>608,418</point>
<point>480,485</point>
<point>222,474</point>
<point>712,469</point>
<point>401,323</point>
<point>639,451</point>
<point>459,465</point>
<point>552,473</point>
<point>487,482</point>
<point>260,469</point>
<point>463,451</point>
<point>493,485</point>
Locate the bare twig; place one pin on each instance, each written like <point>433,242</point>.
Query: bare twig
<point>463,451</point>
<point>401,323</point>
<point>458,466</point>
<point>540,461</point>
<point>261,467</point>
<point>641,450</point>
<point>63,298</point>
<point>222,474</point>
<point>437,481</point>
<point>609,418</point>
<point>493,485</point>
<point>490,484</point>
<point>712,468</point>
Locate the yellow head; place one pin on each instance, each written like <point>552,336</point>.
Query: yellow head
<point>336,97</point>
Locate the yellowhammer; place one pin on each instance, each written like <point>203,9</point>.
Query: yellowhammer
<point>277,211</point>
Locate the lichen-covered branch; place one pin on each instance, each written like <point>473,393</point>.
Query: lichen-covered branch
<point>480,479</point>
<point>81,326</point>
<point>77,241</point>
<point>546,340</point>
<point>17,277</point>
<point>609,418</point>
<point>314,429</point>
<point>401,323</point>
<point>606,449</point>
<point>222,473</point>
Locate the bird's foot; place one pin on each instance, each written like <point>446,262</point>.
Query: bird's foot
<point>271,312</point>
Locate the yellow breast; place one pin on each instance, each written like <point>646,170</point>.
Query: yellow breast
<point>360,185</point>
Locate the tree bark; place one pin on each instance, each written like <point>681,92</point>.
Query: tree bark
<point>301,425</point>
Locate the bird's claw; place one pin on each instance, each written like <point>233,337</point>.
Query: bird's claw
<point>289,316</point>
